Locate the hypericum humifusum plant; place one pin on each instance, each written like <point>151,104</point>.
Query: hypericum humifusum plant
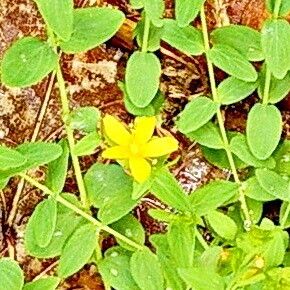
<point>245,250</point>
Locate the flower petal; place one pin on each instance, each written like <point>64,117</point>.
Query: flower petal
<point>160,146</point>
<point>140,169</point>
<point>116,152</point>
<point>116,131</point>
<point>144,129</point>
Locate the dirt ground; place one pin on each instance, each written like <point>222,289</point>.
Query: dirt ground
<point>34,113</point>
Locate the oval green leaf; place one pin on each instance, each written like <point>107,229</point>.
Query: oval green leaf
<point>187,39</point>
<point>264,129</point>
<point>49,283</point>
<point>27,62</point>
<point>146,270</point>
<point>187,10</point>
<point>10,158</point>
<point>131,228</point>
<point>232,62</point>
<point>223,225</point>
<point>11,275</point>
<point>43,221</point>
<point>233,90</point>
<point>238,36</point>
<point>273,183</point>
<point>208,135</point>
<point>77,251</point>
<point>92,27</point>
<point>142,78</point>
<point>196,114</point>
<point>58,15</point>
<point>57,169</point>
<point>276,46</point>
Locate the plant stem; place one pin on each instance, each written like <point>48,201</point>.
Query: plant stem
<point>80,212</point>
<point>242,198</point>
<point>277,8</point>
<point>267,86</point>
<point>146,33</point>
<point>285,216</point>
<point>70,137</point>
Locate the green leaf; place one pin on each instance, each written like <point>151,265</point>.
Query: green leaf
<point>110,189</point>
<point>181,241</point>
<point>146,270</point>
<point>172,279</point>
<point>154,36</point>
<point>187,10</point>
<point>282,157</point>
<point>115,270</point>
<point>58,15</point>
<point>77,251</point>
<point>10,158</point>
<point>43,222</point>
<point>242,38</point>
<point>87,145</point>
<point>196,114</point>
<point>223,225</point>
<point>11,275</point>
<point>276,46</point>
<point>233,90</point>
<point>201,278</point>
<point>223,55</point>
<point>241,149</point>
<point>154,10</point>
<point>279,89</point>
<point>213,195</point>
<point>27,62</point>
<point>208,135</point>
<point>136,4</point>
<point>187,39</point>
<point>273,183</point>
<point>37,154</point>
<point>57,170</point>
<point>49,283</point>
<point>219,158</point>
<point>92,27</point>
<point>255,208</point>
<point>253,189</point>
<point>66,223</point>
<point>85,119</point>
<point>283,211</point>
<point>142,78</point>
<point>264,129</point>
<point>166,188</point>
<point>131,228</point>
<point>151,110</point>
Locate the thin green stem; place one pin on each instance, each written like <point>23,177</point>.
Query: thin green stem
<point>220,119</point>
<point>70,137</point>
<point>277,8</point>
<point>146,34</point>
<point>80,212</point>
<point>267,86</point>
<point>285,216</point>
<point>201,239</point>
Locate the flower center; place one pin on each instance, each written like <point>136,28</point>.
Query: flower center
<point>134,149</point>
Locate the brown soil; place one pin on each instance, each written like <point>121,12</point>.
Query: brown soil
<point>92,80</point>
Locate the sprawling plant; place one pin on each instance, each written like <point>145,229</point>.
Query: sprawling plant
<point>245,250</point>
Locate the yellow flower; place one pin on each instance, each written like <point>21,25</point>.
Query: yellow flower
<point>137,146</point>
